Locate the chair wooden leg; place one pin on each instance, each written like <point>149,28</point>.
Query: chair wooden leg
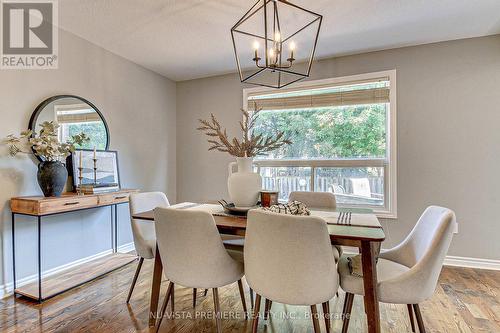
<point>266,309</point>
<point>349,298</point>
<point>138,269</point>
<point>256,310</point>
<point>251,298</point>
<point>326,313</point>
<point>420,321</point>
<point>217,310</point>
<point>242,295</point>
<point>206,292</point>
<point>194,297</point>
<point>172,296</point>
<point>164,305</point>
<point>314,315</point>
<point>412,321</point>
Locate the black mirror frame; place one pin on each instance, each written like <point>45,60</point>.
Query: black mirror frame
<point>42,105</point>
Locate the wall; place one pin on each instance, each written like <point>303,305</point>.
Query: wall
<point>448,135</point>
<point>140,109</point>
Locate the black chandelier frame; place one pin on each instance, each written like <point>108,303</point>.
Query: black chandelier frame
<point>262,4</point>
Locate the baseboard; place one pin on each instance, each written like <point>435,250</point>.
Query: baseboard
<point>472,262</point>
<point>125,248</point>
<point>7,288</point>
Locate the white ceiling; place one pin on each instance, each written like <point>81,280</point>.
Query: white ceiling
<point>188,39</point>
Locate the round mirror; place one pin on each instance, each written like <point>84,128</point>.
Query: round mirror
<point>74,115</point>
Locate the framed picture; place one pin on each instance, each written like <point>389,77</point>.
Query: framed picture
<point>106,173</point>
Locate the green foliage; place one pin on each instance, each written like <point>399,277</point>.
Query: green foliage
<point>330,132</point>
<point>97,139</point>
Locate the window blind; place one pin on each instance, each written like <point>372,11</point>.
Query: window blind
<point>78,118</point>
<point>75,113</point>
<point>335,98</point>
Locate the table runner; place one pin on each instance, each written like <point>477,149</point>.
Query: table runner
<point>331,217</point>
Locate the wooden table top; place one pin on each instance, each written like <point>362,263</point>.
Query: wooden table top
<point>69,195</point>
<point>237,225</point>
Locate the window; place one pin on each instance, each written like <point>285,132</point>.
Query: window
<point>77,118</point>
<point>343,133</point>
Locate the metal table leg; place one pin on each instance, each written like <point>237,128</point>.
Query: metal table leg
<point>14,252</point>
<point>116,228</point>
<point>39,258</point>
<point>112,229</point>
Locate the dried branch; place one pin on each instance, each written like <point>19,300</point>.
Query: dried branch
<point>250,145</point>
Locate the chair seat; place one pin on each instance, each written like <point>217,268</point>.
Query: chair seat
<point>386,270</point>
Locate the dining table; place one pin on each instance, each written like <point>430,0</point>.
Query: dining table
<point>358,228</point>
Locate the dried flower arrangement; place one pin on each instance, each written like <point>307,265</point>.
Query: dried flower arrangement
<point>250,145</point>
<point>45,144</point>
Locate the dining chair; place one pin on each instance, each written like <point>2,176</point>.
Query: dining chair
<point>288,259</point>
<point>143,232</point>
<point>408,273</point>
<point>193,255</point>
<point>318,200</point>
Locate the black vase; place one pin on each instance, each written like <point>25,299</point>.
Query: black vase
<point>52,177</point>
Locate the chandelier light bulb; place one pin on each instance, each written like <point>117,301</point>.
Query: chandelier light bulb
<point>277,36</point>
<point>292,46</point>
<point>256,45</point>
<point>271,52</point>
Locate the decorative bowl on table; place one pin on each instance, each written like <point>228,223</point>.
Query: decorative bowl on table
<point>231,209</point>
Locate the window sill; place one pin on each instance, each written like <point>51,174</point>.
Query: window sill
<point>386,215</point>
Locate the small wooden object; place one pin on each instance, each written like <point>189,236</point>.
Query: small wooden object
<point>268,198</point>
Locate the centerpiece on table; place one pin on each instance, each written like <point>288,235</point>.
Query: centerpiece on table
<point>52,174</point>
<point>244,185</point>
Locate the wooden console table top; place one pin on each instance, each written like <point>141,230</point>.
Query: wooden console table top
<point>67,202</point>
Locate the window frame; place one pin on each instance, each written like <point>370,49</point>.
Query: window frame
<point>389,210</point>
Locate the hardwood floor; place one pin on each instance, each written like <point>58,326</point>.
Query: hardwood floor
<point>466,300</point>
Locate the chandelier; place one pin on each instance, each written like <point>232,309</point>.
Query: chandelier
<point>269,39</point>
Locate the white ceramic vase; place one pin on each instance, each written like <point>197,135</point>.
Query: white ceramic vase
<point>244,185</point>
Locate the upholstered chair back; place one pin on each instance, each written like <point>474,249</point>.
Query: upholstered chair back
<point>144,231</point>
<point>289,259</point>
<point>191,249</point>
<point>321,200</point>
<point>424,251</point>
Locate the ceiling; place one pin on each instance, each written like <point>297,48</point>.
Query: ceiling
<point>188,39</point>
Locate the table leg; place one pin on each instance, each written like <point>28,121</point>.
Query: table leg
<point>14,252</point>
<point>112,228</point>
<point>39,259</point>
<point>155,288</point>
<point>116,229</point>
<point>368,258</point>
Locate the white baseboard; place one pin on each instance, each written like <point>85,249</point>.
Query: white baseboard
<point>125,248</point>
<point>472,262</point>
<point>7,288</point>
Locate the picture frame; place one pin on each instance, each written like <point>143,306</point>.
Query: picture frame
<point>107,167</point>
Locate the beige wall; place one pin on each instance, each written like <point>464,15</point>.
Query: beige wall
<point>140,109</point>
<point>448,135</point>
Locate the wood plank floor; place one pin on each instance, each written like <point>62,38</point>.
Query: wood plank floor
<point>466,300</point>
<point>70,277</point>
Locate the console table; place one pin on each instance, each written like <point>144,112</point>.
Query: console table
<point>39,206</point>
